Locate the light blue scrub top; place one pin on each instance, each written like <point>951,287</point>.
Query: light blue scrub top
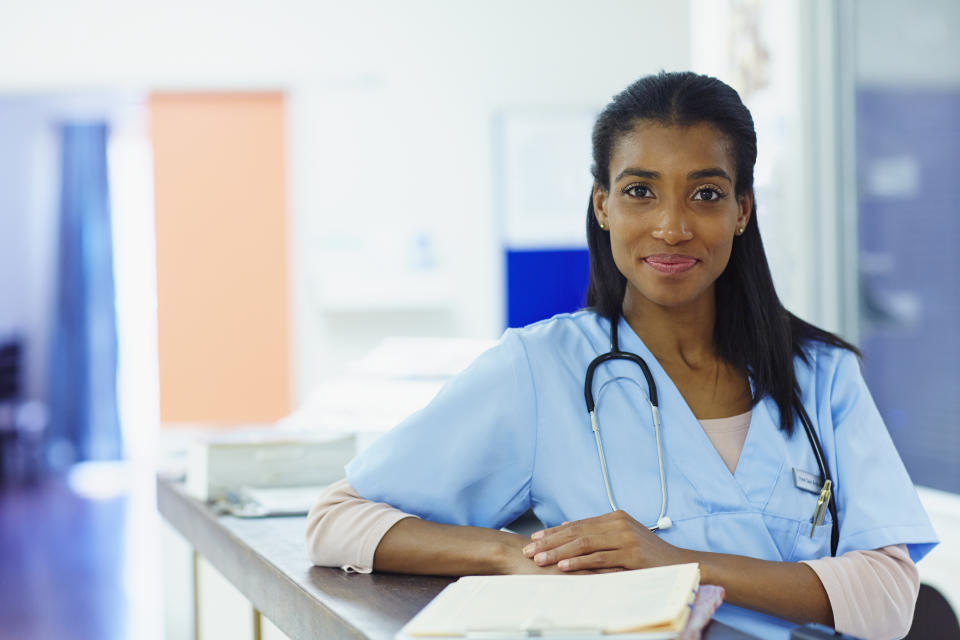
<point>512,432</point>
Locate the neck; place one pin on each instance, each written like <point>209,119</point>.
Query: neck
<point>674,334</point>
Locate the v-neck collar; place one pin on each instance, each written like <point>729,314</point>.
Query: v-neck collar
<point>762,457</point>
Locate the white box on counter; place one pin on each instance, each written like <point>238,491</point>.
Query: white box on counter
<point>224,464</point>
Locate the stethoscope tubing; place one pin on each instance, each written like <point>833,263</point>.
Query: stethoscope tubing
<point>824,473</point>
<point>663,522</point>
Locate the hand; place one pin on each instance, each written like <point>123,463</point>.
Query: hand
<point>514,561</point>
<point>613,541</point>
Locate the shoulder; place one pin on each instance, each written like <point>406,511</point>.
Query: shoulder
<point>824,363</point>
<point>564,333</point>
<point>527,351</point>
<point>832,374</point>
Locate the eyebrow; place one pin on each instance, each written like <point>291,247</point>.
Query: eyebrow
<point>712,172</point>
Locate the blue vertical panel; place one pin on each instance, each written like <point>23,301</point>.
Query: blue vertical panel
<point>545,282</point>
<point>908,150</point>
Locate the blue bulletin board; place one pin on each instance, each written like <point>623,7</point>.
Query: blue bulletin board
<point>542,170</point>
<point>542,283</point>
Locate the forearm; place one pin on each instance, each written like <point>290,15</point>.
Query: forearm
<point>420,546</point>
<point>789,590</point>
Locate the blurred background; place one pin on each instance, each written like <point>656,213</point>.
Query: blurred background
<point>210,212</point>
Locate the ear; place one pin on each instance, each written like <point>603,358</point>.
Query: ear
<point>745,204</point>
<point>600,204</point>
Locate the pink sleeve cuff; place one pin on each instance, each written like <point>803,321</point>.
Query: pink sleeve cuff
<point>344,530</point>
<point>872,593</point>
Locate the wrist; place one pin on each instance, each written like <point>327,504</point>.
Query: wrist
<point>508,553</point>
<point>685,556</point>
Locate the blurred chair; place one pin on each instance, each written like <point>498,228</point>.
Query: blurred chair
<point>10,355</point>
<point>22,423</point>
<point>933,619</point>
<point>9,395</point>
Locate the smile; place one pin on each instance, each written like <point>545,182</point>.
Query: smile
<point>671,263</point>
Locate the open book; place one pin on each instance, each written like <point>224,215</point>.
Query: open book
<point>647,603</point>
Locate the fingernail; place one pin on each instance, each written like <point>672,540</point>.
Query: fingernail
<point>529,549</point>
<point>537,535</point>
<point>563,564</point>
<point>540,558</point>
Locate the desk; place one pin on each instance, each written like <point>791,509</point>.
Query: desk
<point>266,560</point>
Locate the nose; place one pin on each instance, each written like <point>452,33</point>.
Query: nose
<point>671,226</point>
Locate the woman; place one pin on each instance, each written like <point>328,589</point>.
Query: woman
<point>679,277</point>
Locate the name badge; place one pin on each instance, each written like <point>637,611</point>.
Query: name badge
<point>807,481</point>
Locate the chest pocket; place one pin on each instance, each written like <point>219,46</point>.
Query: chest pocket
<point>788,516</point>
<point>793,540</point>
<point>809,547</point>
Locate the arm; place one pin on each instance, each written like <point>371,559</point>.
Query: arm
<point>788,590</point>
<point>424,547</point>
<point>345,530</point>
<point>872,592</point>
<point>448,463</point>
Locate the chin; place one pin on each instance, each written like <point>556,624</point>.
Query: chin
<point>671,296</point>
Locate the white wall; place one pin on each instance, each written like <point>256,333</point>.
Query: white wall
<point>913,45</point>
<point>391,106</point>
<point>420,146</point>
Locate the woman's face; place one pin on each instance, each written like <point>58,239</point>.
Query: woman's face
<point>671,210</point>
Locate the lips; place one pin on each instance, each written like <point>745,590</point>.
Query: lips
<point>670,263</point>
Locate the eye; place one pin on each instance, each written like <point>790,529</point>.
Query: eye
<point>708,194</point>
<point>638,191</point>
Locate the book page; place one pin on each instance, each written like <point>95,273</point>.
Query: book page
<point>600,603</point>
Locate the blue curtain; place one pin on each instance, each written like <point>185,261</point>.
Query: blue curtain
<point>85,423</point>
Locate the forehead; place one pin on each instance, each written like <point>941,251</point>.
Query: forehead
<point>654,146</point>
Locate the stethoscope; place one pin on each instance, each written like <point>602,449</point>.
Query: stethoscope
<point>663,520</point>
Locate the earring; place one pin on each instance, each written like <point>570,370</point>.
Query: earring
<point>603,227</point>
<point>740,231</point>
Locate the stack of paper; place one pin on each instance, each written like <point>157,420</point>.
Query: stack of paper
<point>646,603</point>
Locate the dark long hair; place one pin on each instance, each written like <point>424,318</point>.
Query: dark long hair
<point>753,331</point>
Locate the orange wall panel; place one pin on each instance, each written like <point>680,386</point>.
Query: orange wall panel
<point>221,230</point>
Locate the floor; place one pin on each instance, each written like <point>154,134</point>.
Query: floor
<point>79,557</point>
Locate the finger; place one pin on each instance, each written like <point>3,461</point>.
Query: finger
<point>606,518</point>
<point>539,535</point>
<point>605,561</point>
<point>551,538</point>
<point>555,536</point>
<point>579,546</point>
<point>536,535</point>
